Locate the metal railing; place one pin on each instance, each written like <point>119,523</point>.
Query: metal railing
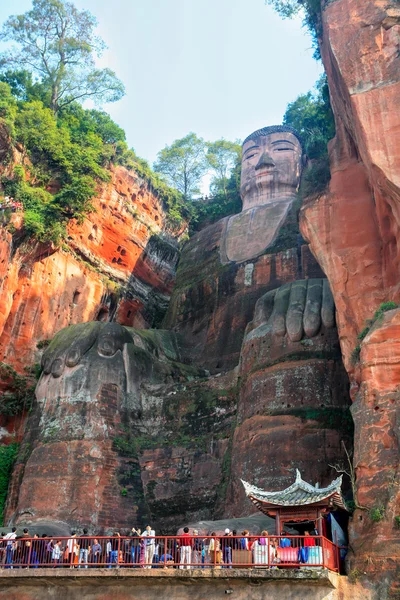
<point>192,552</point>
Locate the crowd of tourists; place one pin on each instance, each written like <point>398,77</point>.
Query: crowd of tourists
<point>144,549</point>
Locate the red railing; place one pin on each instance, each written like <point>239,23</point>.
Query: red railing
<point>227,552</point>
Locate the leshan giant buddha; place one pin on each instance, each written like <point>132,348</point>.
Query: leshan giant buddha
<point>106,388</point>
<point>271,169</point>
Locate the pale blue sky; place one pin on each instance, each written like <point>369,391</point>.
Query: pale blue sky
<point>220,68</point>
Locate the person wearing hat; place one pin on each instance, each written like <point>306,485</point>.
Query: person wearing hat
<point>227,548</point>
<point>198,544</point>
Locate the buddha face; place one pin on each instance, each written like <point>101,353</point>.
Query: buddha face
<point>271,168</point>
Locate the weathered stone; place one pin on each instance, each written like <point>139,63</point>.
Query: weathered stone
<point>293,395</point>
<point>194,584</point>
<point>353,230</point>
<point>112,259</point>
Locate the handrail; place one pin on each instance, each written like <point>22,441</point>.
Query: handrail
<point>183,551</point>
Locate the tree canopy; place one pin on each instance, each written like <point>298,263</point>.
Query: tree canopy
<point>311,115</point>
<point>222,156</point>
<point>183,164</point>
<point>57,43</point>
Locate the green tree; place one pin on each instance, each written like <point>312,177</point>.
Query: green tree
<point>8,107</point>
<point>56,42</point>
<point>311,115</point>
<point>183,164</point>
<point>222,157</point>
<point>23,87</point>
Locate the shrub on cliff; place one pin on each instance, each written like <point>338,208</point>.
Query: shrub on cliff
<point>311,115</point>
<point>8,455</point>
<point>68,153</point>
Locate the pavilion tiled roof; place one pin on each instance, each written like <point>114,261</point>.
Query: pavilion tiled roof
<point>300,493</point>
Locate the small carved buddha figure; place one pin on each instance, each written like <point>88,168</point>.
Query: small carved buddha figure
<point>271,170</point>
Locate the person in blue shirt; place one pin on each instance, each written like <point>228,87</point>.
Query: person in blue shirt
<point>284,541</point>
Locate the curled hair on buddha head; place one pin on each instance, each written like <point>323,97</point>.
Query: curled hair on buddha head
<point>274,129</point>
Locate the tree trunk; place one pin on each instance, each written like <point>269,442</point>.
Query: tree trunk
<point>54,99</point>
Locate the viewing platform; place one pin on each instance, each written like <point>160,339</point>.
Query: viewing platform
<point>146,584</point>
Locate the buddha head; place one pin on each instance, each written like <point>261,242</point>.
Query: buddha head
<point>271,165</point>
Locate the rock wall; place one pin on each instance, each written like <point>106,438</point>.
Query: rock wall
<point>115,265</point>
<point>353,230</point>
<point>137,584</point>
<point>212,302</point>
<point>293,409</point>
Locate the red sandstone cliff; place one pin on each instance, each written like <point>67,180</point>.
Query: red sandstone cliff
<point>353,231</point>
<point>113,265</point>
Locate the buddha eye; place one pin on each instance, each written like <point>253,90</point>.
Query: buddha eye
<point>250,156</point>
<point>283,149</point>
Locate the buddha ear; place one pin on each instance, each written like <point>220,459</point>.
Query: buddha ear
<point>304,160</point>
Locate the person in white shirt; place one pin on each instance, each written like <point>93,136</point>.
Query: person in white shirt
<point>150,546</point>
<point>10,537</point>
<point>71,545</point>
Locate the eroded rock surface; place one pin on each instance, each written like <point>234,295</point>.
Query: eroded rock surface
<point>293,409</point>
<point>116,265</point>
<point>142,427</point>
<point>353,230</point>
<point>122,429</point>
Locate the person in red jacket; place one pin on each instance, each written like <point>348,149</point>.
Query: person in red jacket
<point>185,545</point>
<point>308,540</point>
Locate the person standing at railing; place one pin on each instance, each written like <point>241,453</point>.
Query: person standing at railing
<point>3,545</point>
<point>260,548</point>
<point>34,560</point>
<point>115,546</point>
<point>24,547</point>
<point>95,552</point>
<point>185,546</point>
<point>49,552</point>
<point>149,535</point>
<point>108,552</point>
<point>135,545</point>
<point>214,550</point>
<point>84,543</point>
<point>71,547</point>
<point>10,537</point>
<point>198,546</point>
<point>308,539</point>
<point>56,554</point>
<point>244,540</point>
<point>307,556</point>
<point>227,548</point>
<point>284,541</point>
<point>127,549</point>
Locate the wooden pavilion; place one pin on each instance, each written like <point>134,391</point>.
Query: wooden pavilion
<point>299,503</point>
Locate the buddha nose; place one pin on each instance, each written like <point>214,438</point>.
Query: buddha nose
<point>265,161</point>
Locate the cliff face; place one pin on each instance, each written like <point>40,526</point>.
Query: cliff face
<point>114,266</point>
<point>353,231</point>
<point>213,302</point>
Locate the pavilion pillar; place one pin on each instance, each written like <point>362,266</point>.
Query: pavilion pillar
<point>318,523</point>
<point>278,522</point>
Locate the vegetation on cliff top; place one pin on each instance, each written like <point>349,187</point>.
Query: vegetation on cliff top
<point>65,150</point>
<point>8,455</point>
